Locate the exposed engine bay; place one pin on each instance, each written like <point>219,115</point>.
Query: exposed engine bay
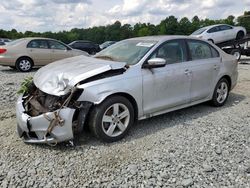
<point>37,103</point>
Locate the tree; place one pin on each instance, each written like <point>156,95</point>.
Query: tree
<point>245,20</point>
<point>171,25</point>
<point>230,20</point>
<point>117,31</point>
<point>184,27</point>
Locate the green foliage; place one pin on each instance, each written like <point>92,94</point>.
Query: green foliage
<point>25,85</point>
<point>169,26</point>
<point>245,20</point>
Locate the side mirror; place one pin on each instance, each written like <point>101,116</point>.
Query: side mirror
<point>155,63</point>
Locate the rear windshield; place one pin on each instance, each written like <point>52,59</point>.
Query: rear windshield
<point>15,42</point>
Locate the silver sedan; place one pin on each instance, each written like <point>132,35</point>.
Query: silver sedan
<point>132,80</point>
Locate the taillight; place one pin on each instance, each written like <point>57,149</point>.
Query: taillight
<point>2,50</point>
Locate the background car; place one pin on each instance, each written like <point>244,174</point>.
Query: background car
<point>106,44</point>
<point>131,80</point>
<point>86,46</point>
<point>220,33</point>
<point>5,40</point>
<point>25,53</point>
<point>2,43</point>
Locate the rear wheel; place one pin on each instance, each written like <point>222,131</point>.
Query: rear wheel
<point>236,53</point>
<point>240,35</point>
<point>111,120</point>
<point>93,52</point>
<point>221,93</point>
<point>24,64</point>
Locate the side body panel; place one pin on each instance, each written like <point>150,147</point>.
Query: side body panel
<point>166,87</point>
<point>39,56</point>
<point>204,73</point>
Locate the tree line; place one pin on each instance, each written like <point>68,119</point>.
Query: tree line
<point>169,26</point>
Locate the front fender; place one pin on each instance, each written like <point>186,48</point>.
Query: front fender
<point>97,92</point>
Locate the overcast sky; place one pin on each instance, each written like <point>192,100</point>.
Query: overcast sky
<point>57,15</point>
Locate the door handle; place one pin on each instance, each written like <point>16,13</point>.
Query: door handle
<point>187,72</point>
<point>215,67</point>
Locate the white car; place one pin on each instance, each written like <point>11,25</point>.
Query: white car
<point>220,33</point>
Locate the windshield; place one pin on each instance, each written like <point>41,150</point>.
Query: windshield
<point>199,31</point>
<point>129,51</point>
<point>104,45</point>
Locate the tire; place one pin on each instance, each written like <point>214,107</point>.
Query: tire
<point>240,35</point>
<point>221,93</point>
<point>24,64</point>
<point>105,123</point>
<point>93,52</point>
<point>236,53</point>
<point>211,40</point>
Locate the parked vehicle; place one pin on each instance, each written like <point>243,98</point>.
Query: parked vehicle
<point>86,46</point>
<point>106,44</point>
<point>5,40</point>
<point>2,43</point>
<point>131,80</point>
<point>220,33</point>
<point>23,54</point>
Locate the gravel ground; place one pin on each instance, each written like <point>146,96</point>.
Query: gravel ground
<point>201,146</point>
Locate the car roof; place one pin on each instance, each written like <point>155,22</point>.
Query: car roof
<point>82,41</point>
<point>211,26</point>
<point>42,38</point>
<point>159,38</point>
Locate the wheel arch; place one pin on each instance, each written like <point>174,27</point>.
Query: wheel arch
<point>130,98</point>
<point>228,78</point>
<point>241,31</point>
<point>211,40</point>
<point>25,56</point>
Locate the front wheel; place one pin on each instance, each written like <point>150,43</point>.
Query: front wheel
<point>111,120</point>
<point>221,93</point>
<point>24,64</point>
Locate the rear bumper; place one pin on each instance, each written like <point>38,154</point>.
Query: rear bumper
<point>234,79</point>
<point>33,129</point>
<point>7,60</point>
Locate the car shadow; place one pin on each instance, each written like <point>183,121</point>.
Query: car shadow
<point>8,70</point>
<point>151,126</point>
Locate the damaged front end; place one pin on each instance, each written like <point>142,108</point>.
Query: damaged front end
<point>45,118</point>
<point>52,109</point>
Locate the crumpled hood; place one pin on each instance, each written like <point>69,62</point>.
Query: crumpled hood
<point>59,77</point>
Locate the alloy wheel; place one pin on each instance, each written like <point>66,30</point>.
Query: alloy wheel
<point>115,120</point>
<point>222,92</point>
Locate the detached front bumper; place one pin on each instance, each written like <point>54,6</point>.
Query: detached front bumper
<point>33,129</point>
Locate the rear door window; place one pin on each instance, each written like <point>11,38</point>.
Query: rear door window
<point>200,50</point>
<point>57,45</point>
<point>38,44</point>
<point>225,27</point>
<point>215,53</point>
<point>214,29</point>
